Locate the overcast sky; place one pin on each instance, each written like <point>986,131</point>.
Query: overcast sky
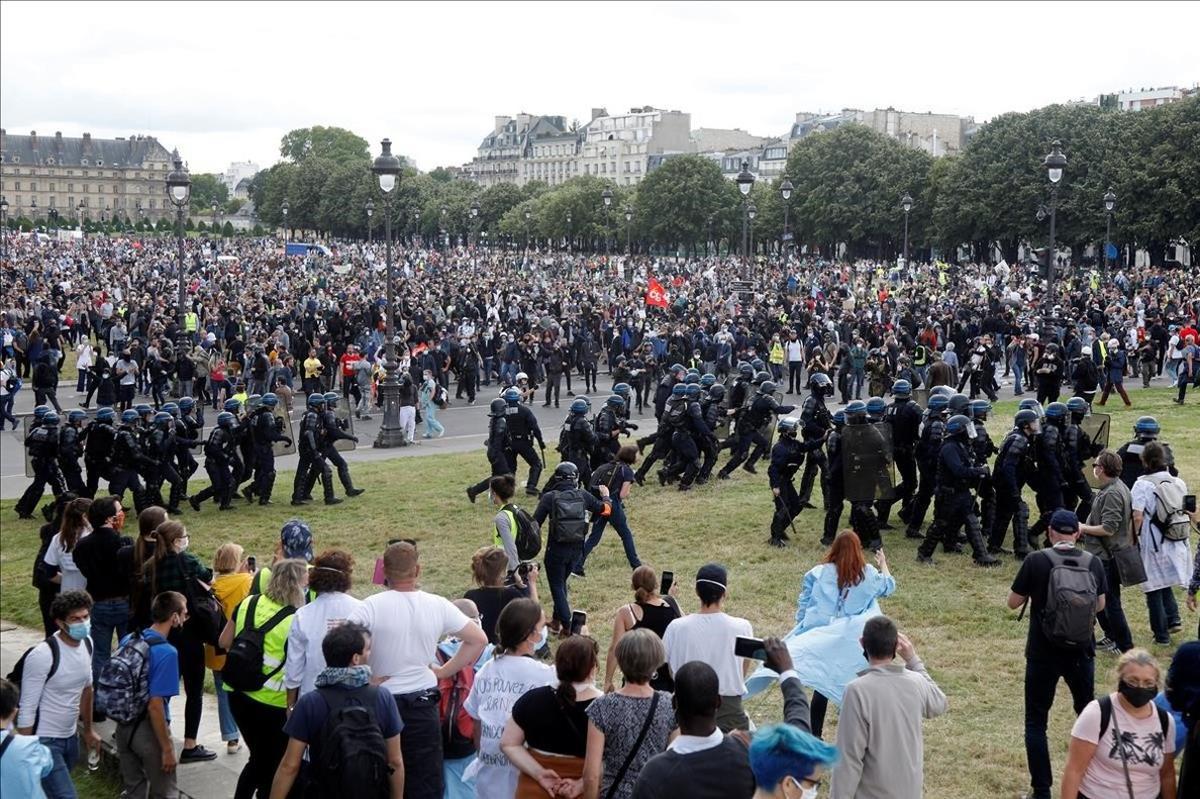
<point>224,81</point>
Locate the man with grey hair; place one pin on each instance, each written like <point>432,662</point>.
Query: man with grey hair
<point>1106,532</point>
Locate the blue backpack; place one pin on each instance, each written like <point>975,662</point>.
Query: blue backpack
<point>123,686</point>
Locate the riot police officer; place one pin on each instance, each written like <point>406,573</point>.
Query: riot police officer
<point>523,430</point>
<point>836,484</point>
<point>42,443</point>
<point>903,416</point>
<point>815,421</point>
<point>929,445</point>
<point>333,429</point>
<point>953,504</point>
<point>1145,430</point>
<point>160,447</point>
<point>787,456</point>
<point>219,452</point>
<point>265,430</point>
<point>982,450</point>
<point>1015,467</point>
<point>711,405</point>
<point>312,462</point>
<point>762,410</point>
<point>661,394</point>
<point>862,513</point>
<point>70,448</point>
<point>577,439</point>
<point>673,416</point>
<point>127,460</point>
<point>688,441</point>
<point>1050,472</point>
<point>608,427</point>
<point>98,439</point>
<point>1077,450</point>
<point>499,448</point>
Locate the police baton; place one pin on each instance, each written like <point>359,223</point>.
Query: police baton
<point>783,507</point>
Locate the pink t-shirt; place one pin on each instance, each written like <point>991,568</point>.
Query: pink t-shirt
<point>1144,747</point>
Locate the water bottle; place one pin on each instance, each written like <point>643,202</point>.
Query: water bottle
<point>93,761</point>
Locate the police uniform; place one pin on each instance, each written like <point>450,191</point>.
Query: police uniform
<point>1015,465</point>
<point>523,430</point>
<point>42,443</point>
<point>953,505</point>
<point>499,449</point>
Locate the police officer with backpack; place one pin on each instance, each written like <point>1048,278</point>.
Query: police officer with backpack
<point>523,430</point>
<point>567,506</point>
<point>954,506</point>
<point>499,448</point>
<point>42,443</point>
<point>1060,643</point>
<point>577,439</point>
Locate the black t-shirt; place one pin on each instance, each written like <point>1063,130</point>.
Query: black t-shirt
<point>547,727</point>
<point>490,602</point>
<point>1033,580</point>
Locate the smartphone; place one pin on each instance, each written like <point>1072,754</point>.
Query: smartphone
<point>578,619</point>
<point>749,648</point>
<point>252,562</point>
<point>1189,503</point>
<point>668,579</point>
<point>379,578</point>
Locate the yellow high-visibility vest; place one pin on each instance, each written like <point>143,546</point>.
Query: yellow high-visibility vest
<point>190,322</point>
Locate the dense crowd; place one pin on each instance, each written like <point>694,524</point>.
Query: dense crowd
<point>458,697</point>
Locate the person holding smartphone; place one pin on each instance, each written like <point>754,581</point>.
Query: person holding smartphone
<point>649,611</point>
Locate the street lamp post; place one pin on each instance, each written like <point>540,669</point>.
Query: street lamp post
<point>1110,203</point>
<point>906,202</point>
<point>82,221</point>
<point>179,188</point>
<point>607,197</point>
<point>387,170</point>
<point>751,212</point>
<point>445,228</point>
<point>475,223</point>
<point>417,237</point>
<point>745,182</point>
<point>370,213</point>
<point>283,206</point>
<point>785,191</point>
<point>570,241</point>
<point>628,228</point>
<point>528,215</point>
<point>3,227</point>
<point>214,210</point>
<point>1055,163</point>
<point>708,235</point>
<point>33,211</point>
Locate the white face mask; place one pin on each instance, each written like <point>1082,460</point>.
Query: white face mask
<point>808,793</point>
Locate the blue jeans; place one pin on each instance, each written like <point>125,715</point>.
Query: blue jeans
<point>621,524</point>
<point>83,381</point>
<point>1041,680</point>
<point>1018,370</point>
<point>559,560</point>
<point>857,380</point>
<point>1164,613</point>
<point>229,727</point>
<point>6,414</point>
<point>65,752</point>
<point>108,616</point>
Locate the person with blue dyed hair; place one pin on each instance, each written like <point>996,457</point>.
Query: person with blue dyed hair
<point>787,762</point>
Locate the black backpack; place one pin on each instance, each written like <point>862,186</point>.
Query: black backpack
<point>351,759</point>
<point>603,476</point>
<point>18,672</point>
<point>527,537</point>
<point>244,663</point>
<point>1071,594</point>
<point>568,516</point>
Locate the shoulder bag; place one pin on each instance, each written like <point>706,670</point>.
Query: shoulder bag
<point>1128,560</point>
<point>637,745</point>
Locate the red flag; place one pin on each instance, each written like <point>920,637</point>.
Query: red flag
<point>656,295</point>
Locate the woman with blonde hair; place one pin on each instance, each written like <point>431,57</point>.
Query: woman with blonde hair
<point>1122,743</point>
<point>648,611</point>
<point>230,585</point>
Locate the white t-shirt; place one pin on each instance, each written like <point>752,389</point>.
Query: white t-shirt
<point>405,629</point>
<point>498,686</point>
<point>72,578</point>
<point>708,637</point>
<point>305,659</point>
<point>59,696</point>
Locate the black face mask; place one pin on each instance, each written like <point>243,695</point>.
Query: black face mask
<point>1138,697</point>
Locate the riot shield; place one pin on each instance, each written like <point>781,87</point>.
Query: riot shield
<point>346,422</point>
<point>921,397</point>
<point>24,429</point>
<point>868,467</point>
<point>1094,427</point>
<point>768,428</point>
<point>281,448</point>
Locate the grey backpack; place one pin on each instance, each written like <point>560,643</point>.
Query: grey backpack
<point>1071,594</point>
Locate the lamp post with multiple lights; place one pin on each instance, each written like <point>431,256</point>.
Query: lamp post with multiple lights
<point>386,169</point>
<point>179,189</point>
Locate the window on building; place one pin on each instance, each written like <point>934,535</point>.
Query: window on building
<point>52,187</point>
<point>53,201</point>
<point>70,202</point>
<point>32,186</point>
<point>17,186</point>
<point>604,168</point>
<point>70,187</point>
<point>614,167</point>
<point>152,205</point>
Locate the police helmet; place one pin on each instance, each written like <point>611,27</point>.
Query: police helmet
<point>716,392</point>
<point>692,390</point>
<point>615,401</point>
<point>186,404</point>
<point>566,471</point>
<point>945,391</point>
<point>1146,426</point>
<point>678,368</point>
<point>225,419</point>
<point>76,415</point>
<point>902,389</point>
<point>331,397</point>
<point>788,426</point>
<point>522,376</point>
<point>839,418</point>
<point>693,371</point>
<point>622,389</point>
<point>253,401</point>
<point>678,390</point>
<point>497,406</point>
<point>980,408</point>
<point>105,415</point>
<point>1025,416</point>
<point>819,383</point>
<point>1031,405</point>
<point>1077,405</point>
<point>143,409</point>
<point>162,417</point>
<point>315,400</point>
<point>269,400</point>
<point>745,370</point>
<point>957,425</point>
<point>707,380</point>
<point>876,405</point>
<point>129,416</point>
<point>50,418</point>
<point>40,412</point>
<point>579,406</point>
<point>758,364</point>
<point>959,403</point>
<point>692,378</point>
<point>1056,410</point>
<point>169,407</point>
<point>856,408</point>
<point>233,406</point>
<point>767,387</point>
<point>938,403</point>
<point>511,396</point>
<point>760,376</point>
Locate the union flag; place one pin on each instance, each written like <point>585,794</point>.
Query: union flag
<point>656,295</point>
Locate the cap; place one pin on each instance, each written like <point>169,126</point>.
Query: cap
<point>713,573</point>
<point>1064,521</point>
<point>297,539</point>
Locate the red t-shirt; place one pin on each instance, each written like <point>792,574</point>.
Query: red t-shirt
<point>347,360</point>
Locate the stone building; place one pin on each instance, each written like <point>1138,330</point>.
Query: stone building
<point>93,177</point>
<point>619,147</point>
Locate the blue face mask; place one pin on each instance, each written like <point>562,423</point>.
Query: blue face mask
<point>80,629</point>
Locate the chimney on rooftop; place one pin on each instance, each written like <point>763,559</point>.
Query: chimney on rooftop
<point>33,141</point>
<point>87,145</point>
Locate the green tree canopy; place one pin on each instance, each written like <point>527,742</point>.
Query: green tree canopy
<point>207,189</point>
<point>334,144</point>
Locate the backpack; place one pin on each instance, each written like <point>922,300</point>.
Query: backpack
<point>527,537</point>
<point>675,416</point>
<point>458,728</point>
<point>1070,611</point>
<point>123,686</point>
<point>439,395</point>
<point>352,755</point>
<point>1105,703</point>
<point>568,516</point>
<point>1169,518</point>
<point>603,476</point>
<point>244,663</point>
<point>18,672</point>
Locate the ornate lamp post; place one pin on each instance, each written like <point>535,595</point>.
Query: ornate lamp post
<point>1110,203</point>
<point>628,228</point>
<point>570,241</point>
<point>751,212</point>
<point>1055,163</point>
<point>906,202</point>
<point>607,197</point>
<point>179,189</point>
<point>370,212</point>
<point>745,182</point>
<point>3,227</point>
<point>445,227</point>
<point>785,191</point>
<point>82,220</point>
<point>386,169</point>
<point>283,206</point>
<point>528,215</point>
<point>475,222</point>
<point>214,212</point>
<point>417,237</point>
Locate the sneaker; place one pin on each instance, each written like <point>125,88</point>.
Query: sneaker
<point>1175,629</point>
<point>197,754</point>
<point>926,559</point>
<point>577,571</point>
<point>233,747</point>
<point>354,492</point>
<point>1107,644</point>
<point>778,543</point>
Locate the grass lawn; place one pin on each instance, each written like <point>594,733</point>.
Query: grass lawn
<point>954,611</point>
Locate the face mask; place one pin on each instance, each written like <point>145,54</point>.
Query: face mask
<point>182,545</point>
<point>545,637</point>
<point>82,629</point>
<point>808,793</point>
<point>1138,697</point>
